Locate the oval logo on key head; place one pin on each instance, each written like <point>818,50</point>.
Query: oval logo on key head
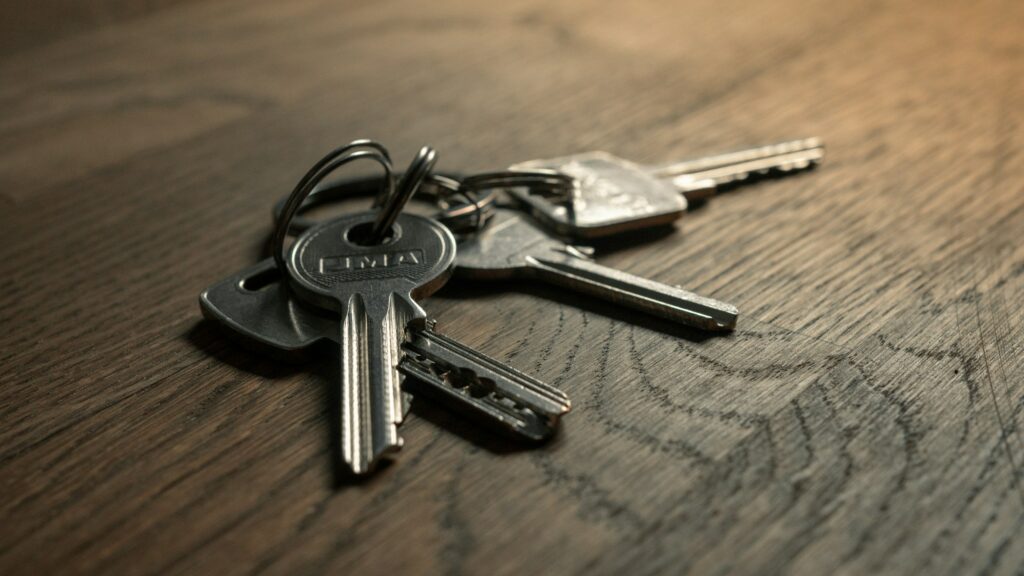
<point>329,264</point>
<point>325,258</point>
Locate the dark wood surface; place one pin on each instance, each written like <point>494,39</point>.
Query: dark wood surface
<point>864,418</point>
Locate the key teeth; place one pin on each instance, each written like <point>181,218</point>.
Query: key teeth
<point>451,371</point>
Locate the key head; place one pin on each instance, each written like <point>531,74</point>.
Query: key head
<point>504,246</point>
<point>614,196</point>
<point>332,261</point>
<point>255,305</point>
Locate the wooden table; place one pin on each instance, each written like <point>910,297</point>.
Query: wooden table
<point>865,416</point>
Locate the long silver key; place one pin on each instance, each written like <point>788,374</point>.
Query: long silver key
<point>513,245</point>
<point>615,195</point>
<point>255,305</point>
<point>372,288</point>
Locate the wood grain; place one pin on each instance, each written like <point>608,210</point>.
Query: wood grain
<point>865,417</point>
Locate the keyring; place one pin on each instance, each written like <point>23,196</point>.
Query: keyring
<point>337,158</point>
<point>477,192</point>
<point>549,182</point>
<point>466,215</point>
<point>410,182</point>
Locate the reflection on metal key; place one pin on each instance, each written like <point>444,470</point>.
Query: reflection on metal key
<point>255,305</point>
<point>515,246</point>
<point>372,288</point>
<point>615,195</point>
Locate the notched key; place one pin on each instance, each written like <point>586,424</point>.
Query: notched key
<point>698,179</point>
<point>615,195</point>
<point>496,393</point>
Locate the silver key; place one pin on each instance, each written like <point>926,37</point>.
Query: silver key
<point>698,179</point>
<point>372,287</point>
<point>615,195</point>
<point>513,245</point>
<point>495,392</point>
<point>256,306</point>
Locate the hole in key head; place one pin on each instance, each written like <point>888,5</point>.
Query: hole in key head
<point>360,235</point>
<point>261,280</point>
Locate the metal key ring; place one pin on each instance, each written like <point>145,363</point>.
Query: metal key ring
<point>391,207</point>
<point>478,193</point>
<point>332,161</point>
<point>479,208</point>
<point>463,216</point>
<point>540,178</point>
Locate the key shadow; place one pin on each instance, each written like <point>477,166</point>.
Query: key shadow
<point>253,357</point>
<point>468,289</point>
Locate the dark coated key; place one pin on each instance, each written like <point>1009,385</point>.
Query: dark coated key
<point>513,245</point>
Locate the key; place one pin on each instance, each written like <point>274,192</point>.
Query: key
<point>513,245</point>
<point>616,195</point>
<point>255,305</point>
<point>491,391</point>
<point>373,288</point>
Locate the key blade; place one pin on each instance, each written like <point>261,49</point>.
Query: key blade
<point>371,398</point>
<point>699,185</point>
<point>454,374</point>
<point>699,178</point>
<point>746,155</point>
<point>634,292</point>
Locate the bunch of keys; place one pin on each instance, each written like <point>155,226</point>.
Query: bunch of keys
<point>356,281</point>
<point>370,267</point>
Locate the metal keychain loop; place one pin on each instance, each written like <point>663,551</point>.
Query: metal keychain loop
<point>410,182</point>
<point>478,192</point>
<point>468,215</point>
<point>332,161</point>
<point>538,179</point>
<point>480,208</point>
